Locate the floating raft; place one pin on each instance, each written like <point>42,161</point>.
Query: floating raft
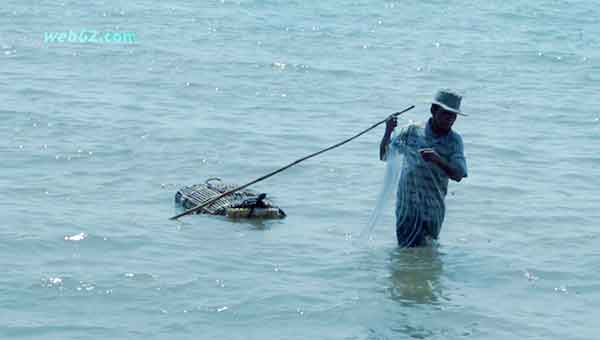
<point>240,204</point>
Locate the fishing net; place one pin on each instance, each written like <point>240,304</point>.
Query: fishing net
<point>390,184</point>
<point>420,188</point>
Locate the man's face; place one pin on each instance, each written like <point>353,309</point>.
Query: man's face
<point>443,119</point>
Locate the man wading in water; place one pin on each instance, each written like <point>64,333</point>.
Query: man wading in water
<point>432,154</point>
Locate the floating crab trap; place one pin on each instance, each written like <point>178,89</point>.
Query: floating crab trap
<point>240,204</point>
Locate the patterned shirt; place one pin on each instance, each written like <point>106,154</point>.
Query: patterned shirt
<point>423,185</point>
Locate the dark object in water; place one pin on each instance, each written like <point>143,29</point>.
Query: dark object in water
<point>241,204</point>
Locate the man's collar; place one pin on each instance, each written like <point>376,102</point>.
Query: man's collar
<point>428,128</point>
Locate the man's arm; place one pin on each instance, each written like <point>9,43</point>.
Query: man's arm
<point>390,124</point>
<point>451,171</point>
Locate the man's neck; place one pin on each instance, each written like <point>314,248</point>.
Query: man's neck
<point>437,132</point>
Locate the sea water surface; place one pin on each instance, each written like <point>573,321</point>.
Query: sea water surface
<point>98,137</point>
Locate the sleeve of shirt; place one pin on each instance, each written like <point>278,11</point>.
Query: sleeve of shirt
<point>458,157</point>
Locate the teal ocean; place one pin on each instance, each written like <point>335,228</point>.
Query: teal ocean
<point>98,137</point>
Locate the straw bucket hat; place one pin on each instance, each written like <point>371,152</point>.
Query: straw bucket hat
<point>449,101</point>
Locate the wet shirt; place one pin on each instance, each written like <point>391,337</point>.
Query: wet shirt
<point>423,185</point>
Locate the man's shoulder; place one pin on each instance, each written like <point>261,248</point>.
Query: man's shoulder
<point>455,136</point>
<point>412,127</point>
<point>455,142</point>
<point>417,125</point>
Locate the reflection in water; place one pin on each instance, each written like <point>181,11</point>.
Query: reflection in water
<point>415,275</point>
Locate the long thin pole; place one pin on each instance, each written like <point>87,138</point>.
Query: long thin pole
<point>198,207</point>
